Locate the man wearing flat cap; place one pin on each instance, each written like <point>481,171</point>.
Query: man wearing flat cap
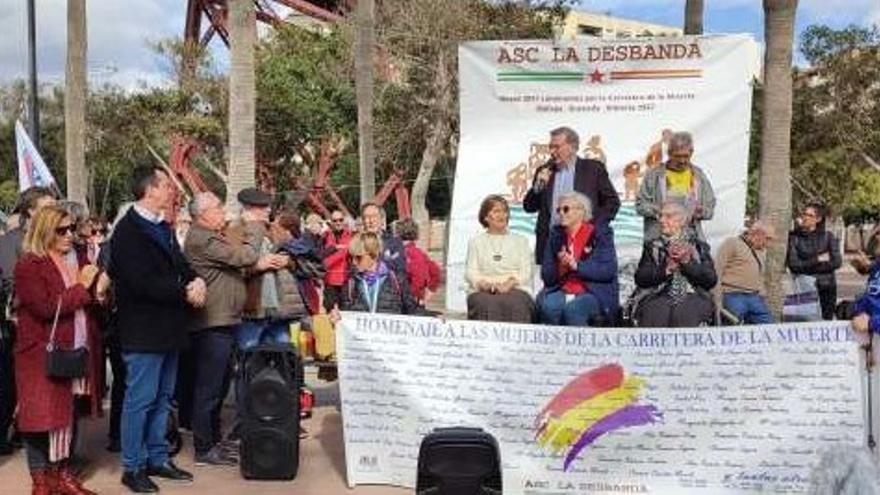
<point>258,325</point>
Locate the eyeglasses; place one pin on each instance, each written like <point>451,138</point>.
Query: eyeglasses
<point>65,229</point>
<point>565,209</point>
<point>337,220</point>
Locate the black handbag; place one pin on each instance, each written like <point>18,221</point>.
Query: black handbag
<point>64,363</point>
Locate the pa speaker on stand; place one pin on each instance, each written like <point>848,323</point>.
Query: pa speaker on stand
<point>270,419</point>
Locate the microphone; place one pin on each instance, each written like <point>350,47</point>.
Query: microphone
<point>541,181</point>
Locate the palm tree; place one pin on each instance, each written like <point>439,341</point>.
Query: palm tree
<point>242,98</point>
<point>693,17</point>
<point>775,182</point>
<point>363,76</point>
<point>75,87</point>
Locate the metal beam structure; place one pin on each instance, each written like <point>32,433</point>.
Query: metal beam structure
<point>200,33</point>
<point>215,13</point>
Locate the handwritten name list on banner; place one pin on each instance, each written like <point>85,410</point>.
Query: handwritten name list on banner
<point>697,410</point>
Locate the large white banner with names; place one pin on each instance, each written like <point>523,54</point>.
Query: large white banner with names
<point>584,410</point>
<point>623,97</point>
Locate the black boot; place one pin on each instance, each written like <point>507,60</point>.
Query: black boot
<point>138,482</point>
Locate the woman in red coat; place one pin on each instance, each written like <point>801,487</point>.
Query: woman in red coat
<point>43,277</point>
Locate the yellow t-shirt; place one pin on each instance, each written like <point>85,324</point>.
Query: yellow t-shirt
<point>678,182</point>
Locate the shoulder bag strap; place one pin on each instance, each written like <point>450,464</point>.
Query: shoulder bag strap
<point>50,346</point>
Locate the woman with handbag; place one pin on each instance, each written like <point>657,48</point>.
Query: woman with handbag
<point>813,250</point>
<point>51,354</point>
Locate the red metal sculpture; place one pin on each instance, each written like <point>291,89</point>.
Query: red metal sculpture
<point>184,149</point>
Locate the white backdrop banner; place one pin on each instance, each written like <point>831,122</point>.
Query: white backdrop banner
<point>576,410</point>
<point>624,97</point>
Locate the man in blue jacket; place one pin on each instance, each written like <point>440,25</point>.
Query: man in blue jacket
<point>867,307</point>
<point>155,292</point>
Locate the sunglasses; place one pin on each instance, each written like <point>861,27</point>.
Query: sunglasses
<point>99,231</point>
<point>337,220</point>
<point>65,229</point>
<point>564,209</point>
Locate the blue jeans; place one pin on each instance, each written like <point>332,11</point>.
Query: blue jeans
<point>212,348</point>
<point>554,310</point>
<point>750,308</point>
<point>149,386</point>
<point>250,333</point>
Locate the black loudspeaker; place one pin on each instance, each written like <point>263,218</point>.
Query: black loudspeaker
<point>270,420</point>
<point>459,461</point>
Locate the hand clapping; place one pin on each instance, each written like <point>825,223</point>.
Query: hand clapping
<point>679,252</point>
<point>567,259</point>
<point>87,275</point>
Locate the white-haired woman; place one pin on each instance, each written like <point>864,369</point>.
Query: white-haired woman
<point>677,273</point>
<point>579,268</point>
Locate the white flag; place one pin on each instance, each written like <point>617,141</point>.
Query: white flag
<point>32,170</point>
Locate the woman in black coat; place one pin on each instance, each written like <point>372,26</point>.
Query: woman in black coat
<point>675,275</point>
<point>812,250</point>
<point>374,286</point>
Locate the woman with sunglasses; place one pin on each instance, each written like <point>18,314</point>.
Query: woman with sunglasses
<point>813,250</point>
<point>675,275</point>
<point>499,268</point>
<point>579,269</point>
<point>374,286</point>
<point>47,285</point>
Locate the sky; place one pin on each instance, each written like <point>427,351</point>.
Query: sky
<point>121,31</point>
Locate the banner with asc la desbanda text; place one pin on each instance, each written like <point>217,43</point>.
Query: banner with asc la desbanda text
<point>623,97</point>
<point>666,411</point>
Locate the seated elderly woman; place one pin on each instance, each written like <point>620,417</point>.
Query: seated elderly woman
<point>579,268</point>
<point>675,275</point>
<point>499,268</point>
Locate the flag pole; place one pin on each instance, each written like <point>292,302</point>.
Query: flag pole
<point>33,109</point>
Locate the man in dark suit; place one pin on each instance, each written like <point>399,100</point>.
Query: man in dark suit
<point>155,290</point>
<point>566,172</point>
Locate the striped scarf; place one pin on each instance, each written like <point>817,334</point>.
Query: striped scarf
<point>60,439</point>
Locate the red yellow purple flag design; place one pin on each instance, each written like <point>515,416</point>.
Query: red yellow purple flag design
<point>592,404</point>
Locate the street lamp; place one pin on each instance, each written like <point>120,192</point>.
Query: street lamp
<point>33,110</point>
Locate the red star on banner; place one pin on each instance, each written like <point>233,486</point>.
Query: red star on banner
<point>596,76</point>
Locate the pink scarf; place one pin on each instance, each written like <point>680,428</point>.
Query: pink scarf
<point>59,440</point>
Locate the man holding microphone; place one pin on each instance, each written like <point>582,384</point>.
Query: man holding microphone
<point>563,173</point>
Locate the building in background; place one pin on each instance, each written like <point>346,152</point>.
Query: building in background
<point>580,23</point>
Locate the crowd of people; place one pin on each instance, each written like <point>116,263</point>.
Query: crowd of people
<point>171,298</point>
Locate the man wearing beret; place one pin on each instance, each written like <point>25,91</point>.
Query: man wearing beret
<point>257,325</point>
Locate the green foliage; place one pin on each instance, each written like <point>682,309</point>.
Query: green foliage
<point>835,123</point>
<point>120,126</point>
<point>419,40</point>
<point>836,118</point>
<point>305,95</point>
